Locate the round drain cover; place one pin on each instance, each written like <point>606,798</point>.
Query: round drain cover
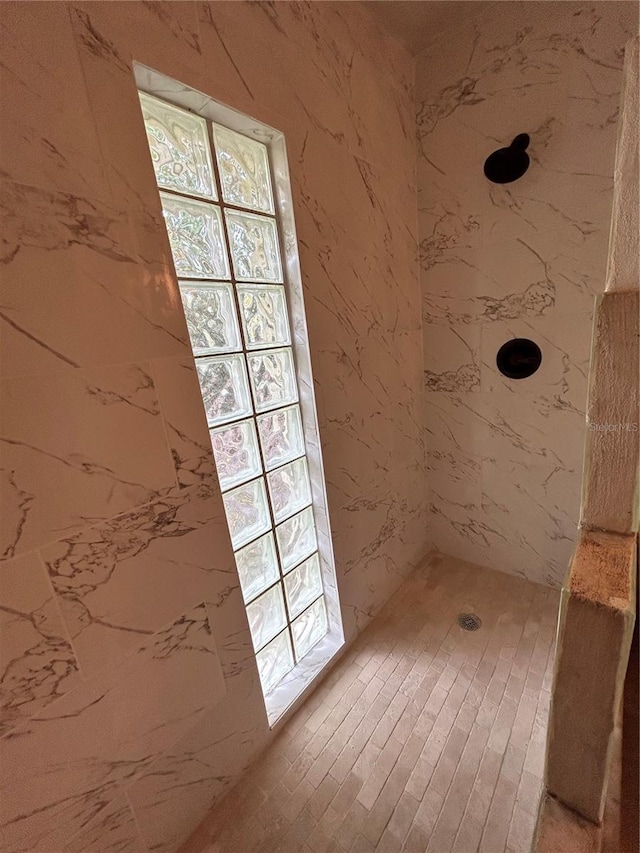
<point>469,621</point>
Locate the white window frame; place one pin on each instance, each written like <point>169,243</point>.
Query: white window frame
<point>293,687</point>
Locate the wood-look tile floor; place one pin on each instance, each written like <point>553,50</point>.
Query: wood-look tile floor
<point>425,738</point>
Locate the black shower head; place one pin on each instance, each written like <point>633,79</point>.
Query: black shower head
<point>508,164</point>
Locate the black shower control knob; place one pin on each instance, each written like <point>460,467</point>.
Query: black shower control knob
<point>519,358</point>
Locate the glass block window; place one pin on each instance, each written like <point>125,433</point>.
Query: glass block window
<point>216,188</point>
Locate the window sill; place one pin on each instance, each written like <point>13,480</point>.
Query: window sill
<point>295,686</point>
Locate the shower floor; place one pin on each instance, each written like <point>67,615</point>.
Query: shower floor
<point>425,738</point>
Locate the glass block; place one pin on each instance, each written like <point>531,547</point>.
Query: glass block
<point>267,616</point>
<point>195,234</point>
<point>281,436</point>
<point>296,539</point>
<point>309,628</point>
<point>289,489</point>
<point>223,384</point>
<point>303,585</point>
<point>257,566</point>
<point>254,247</point>
<point>273,379</point>
<point>247,512</point>
<point>244,170</point>
<point>235,448</point>
<point>264,315</point>
<point>179,148</point>
<point>211,317</point>
<point>275,661</point>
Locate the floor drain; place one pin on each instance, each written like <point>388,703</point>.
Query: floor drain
<point>469,621</point>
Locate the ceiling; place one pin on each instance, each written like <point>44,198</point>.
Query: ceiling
<point>414,22</point>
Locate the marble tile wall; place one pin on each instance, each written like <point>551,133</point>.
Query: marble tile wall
<point>129,694</point>
<point>524,259</point>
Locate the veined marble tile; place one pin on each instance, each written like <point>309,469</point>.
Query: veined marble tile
<point>524,550</point>
<point>576,263</point>
<point>523,428</point>
<point>71,257</point>
<point>388,563</point>
<point>519,279</point>
<point>37,663</point>
<point>338,296</point>
<point>378,452</point>
<point>76,447</point>
<point>382,538</point>
<point>228,620</point>
<point>489,62</point>
<point>564,370</point>
<point>178,790</point>
<point>62,768</point>
<point>483,285</point>
<point>348,196</point>
<point>559,192</point>
<point>546,497</point>
<point>180,401</point>
<point>338,33</point>
<point>452,357</point>
<point>526,428</point>
<point>592,119</point>
<point>238,38</point>
<point>163,35</point>
<point>454,478</point>
<point>113,830</point>
<point>452,424</point>
<point>596,34</point>
<point>49,142</point>
<point>553,73</point>
<point>392,149</point>
<point>339,272</point>
<point>120,581</point>
<point>315,79</point>
<point>447,219</point>
<point>573,206</point>
<point>524,43</point>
